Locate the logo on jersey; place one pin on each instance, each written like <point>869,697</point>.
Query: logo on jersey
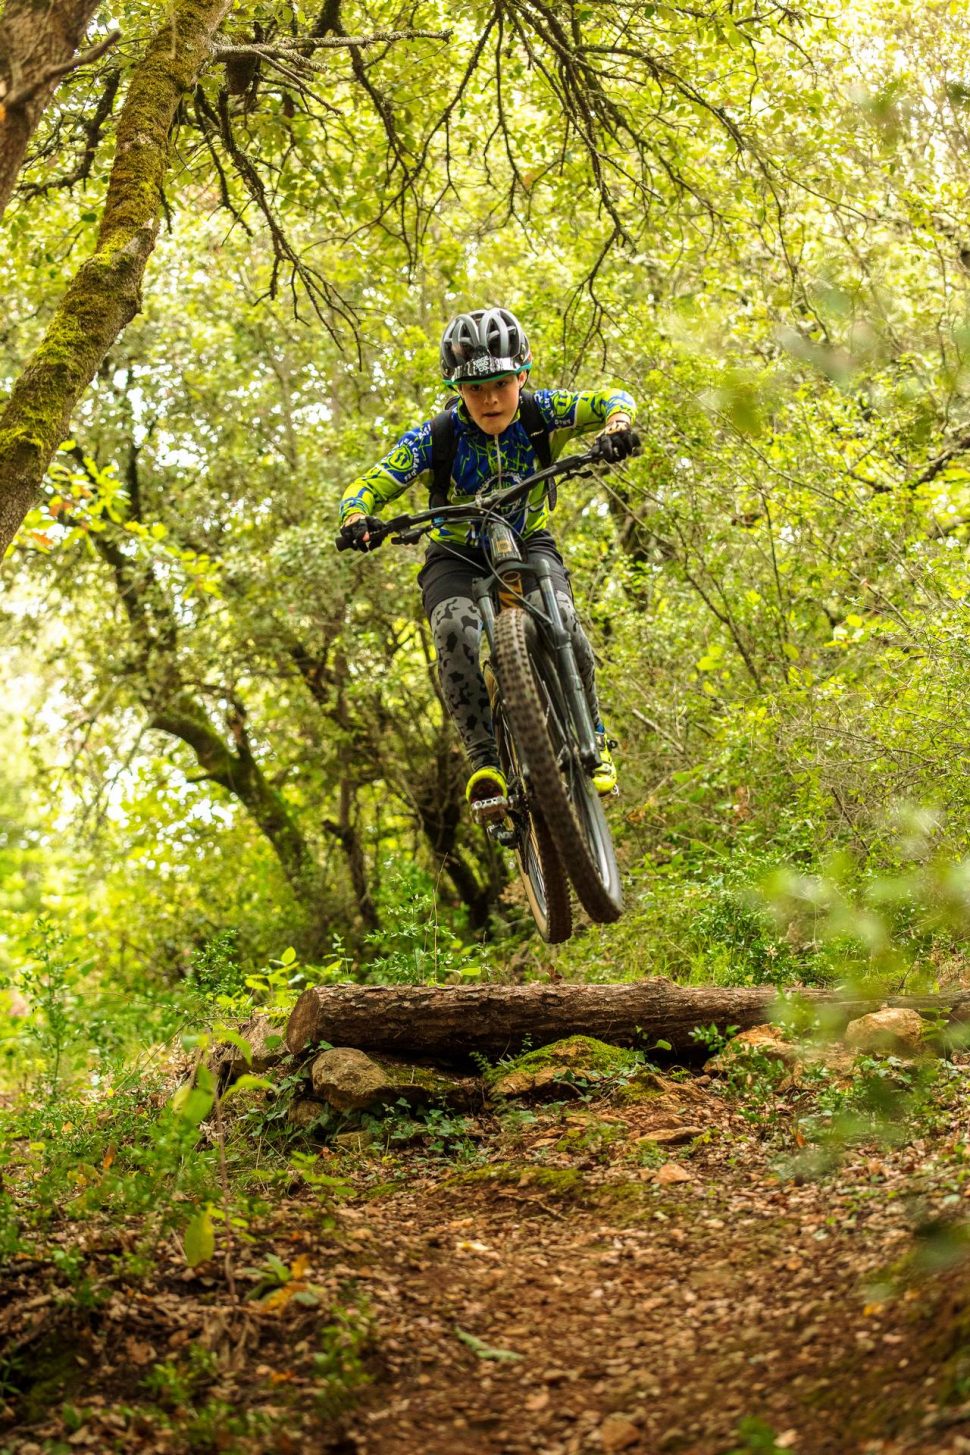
<point>401,460</point>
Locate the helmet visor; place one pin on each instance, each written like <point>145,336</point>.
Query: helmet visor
<point>485,369</point>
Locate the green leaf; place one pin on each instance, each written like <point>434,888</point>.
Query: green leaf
<point>192,1104</point>
<point>306,1296</point>
<point>288,956</point>
<point>249,1083</point>
<point>200,1239</point>
<point>205,1080</point>
<point>278,1268</point>
<point>485,1351</point>
<point>240,1042</point>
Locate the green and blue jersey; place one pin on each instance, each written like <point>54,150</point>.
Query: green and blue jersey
<point>477,456</point>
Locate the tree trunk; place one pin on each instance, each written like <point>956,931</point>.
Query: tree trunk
<point>173,709</point>
<point>37,41</point>
<point>443,1023</point>
<point>439,803</point>
<point>346,833</point>
<point>105,293</point>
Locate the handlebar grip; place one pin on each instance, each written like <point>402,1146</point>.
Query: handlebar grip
<point>342,543</point>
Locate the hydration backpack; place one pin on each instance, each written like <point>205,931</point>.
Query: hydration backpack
<point>444,444</point>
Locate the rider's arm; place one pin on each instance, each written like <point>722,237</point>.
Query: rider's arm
<point>569,412</point>
<point>385,481</point>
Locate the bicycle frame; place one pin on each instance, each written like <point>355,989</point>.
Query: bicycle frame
<point>551,817</point>
<point>506,591</point>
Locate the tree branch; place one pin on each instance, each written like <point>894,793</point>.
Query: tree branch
<point>105,293</point>
<point>294,47</point>
<point>92,132</point>
<point>16,99</point>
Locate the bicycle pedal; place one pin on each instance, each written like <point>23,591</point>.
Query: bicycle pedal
<point>489,810</point>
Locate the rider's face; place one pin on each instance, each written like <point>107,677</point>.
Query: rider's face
<point>492,403</point>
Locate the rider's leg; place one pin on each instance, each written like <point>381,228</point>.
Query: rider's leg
<point>447,591</point>
<point>456,629</point>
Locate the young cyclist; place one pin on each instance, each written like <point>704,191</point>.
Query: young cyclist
<point>495,429</point>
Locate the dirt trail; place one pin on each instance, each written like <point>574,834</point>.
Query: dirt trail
<point>651,1318</point>
<point>573,1288</point>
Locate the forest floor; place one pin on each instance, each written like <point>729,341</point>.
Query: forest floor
<point>769,1273</point>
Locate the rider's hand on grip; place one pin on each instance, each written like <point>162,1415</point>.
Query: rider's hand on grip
<point>617,444</point>
<point>363,533</point>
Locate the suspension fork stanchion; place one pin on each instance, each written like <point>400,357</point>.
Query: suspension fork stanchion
<point>568,668</point>
<point>481,591</point>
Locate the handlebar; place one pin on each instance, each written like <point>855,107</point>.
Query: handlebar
<point>407,529</point>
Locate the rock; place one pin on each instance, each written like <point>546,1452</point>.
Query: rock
<point>520,1083</point>
<point>617,1432</point>
<point>671,1135</point>
<point>576,1058</point>
<point>765,1040</point>
<point>265,1039</point>
<point>670,1173</point>
<point>350,1081</point>
<point>353,1141</point>
<point>302,1113</point>
<point>889,1032</point>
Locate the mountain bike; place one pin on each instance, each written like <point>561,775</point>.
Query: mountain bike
<point>552,818</point>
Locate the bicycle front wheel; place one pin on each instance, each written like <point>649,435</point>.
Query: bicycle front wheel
<point>560,791</point>
<point>543,876</point>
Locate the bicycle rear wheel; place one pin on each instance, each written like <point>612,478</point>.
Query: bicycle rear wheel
<point>543,877</point>
<point>566,799</point>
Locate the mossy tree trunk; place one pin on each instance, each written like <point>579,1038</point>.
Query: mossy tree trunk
<point>105,293</point>
<point>38,39</point>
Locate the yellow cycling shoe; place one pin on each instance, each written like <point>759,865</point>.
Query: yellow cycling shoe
<point>604,779</point>
<point>488,792</point>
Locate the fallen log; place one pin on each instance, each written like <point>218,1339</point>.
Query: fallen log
<point>453,1023</point>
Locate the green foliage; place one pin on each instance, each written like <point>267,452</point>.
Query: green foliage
<point>219,739</point>
<point>339,1364</point>
<point>51,981</point>
<point>415,947</point>
<point>882,1102</point>
<point>173,1384</point>
<point>712,1038</point>
<point>756,1438</point>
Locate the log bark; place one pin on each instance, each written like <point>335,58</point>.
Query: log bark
<point>449,1024</point>
<point>105,293</point>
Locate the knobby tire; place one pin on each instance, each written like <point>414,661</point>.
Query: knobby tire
<point>543,877</point>
<point>567,802</point>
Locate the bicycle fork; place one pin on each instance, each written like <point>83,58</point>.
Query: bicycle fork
<point>561,642</point>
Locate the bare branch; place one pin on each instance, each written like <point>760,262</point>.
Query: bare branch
<point>92,133</point>
<point>325,299</point>
<point>960,446</point>
<point>293,48</point>
<point>19,98</point>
